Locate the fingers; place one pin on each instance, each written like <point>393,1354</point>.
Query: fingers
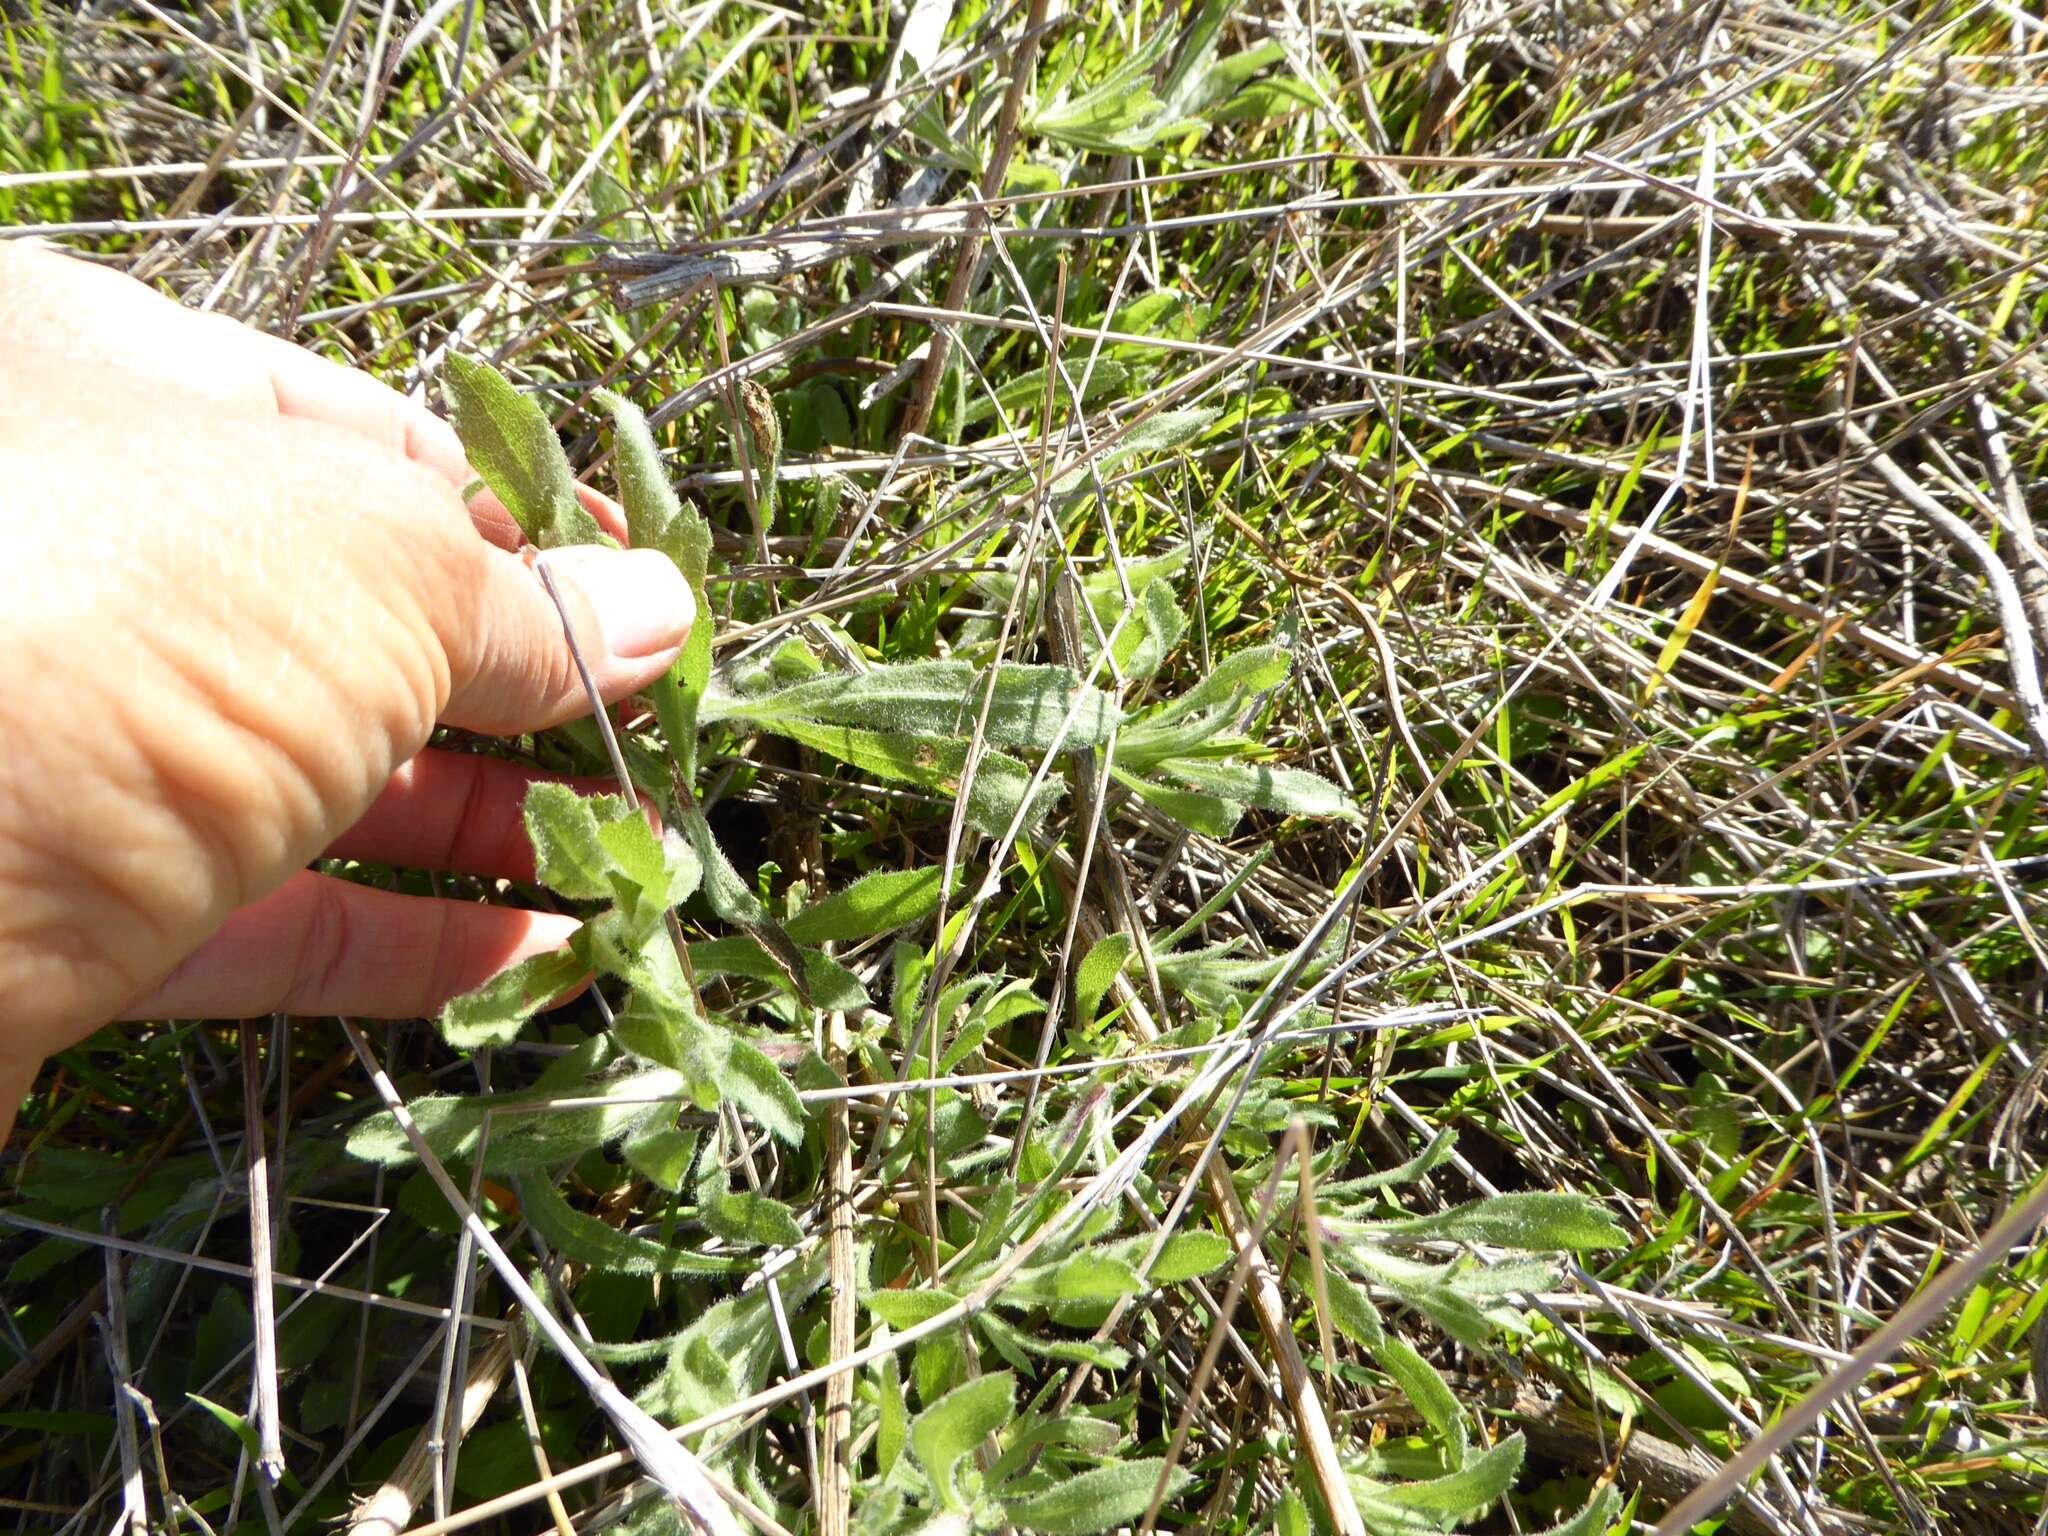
<point>314,389</point>
<point>102,319</point>
<point>510,665</point>
<point>17,1080</point>
<point>454,811</point>
<point>319,946</point>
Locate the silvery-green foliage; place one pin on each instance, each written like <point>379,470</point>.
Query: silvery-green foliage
<point>977,1465</point>
<point>1371,1246</point>
<point>654,1091</point>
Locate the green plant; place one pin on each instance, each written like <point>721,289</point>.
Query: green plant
<point>1002,733</point>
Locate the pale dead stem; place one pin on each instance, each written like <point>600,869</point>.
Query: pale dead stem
<point>1253,1274</point>
<point>835,1477</point>
<point>389,1510</point>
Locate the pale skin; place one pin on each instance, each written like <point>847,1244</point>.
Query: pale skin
<point>240,589</point>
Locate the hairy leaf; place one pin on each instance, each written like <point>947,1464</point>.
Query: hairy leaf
<point>893,1431</point>
<point>513,448</point>
<point>586,1240</point>
<point>1210,815</point>
<point>757,1085</point>
<point>1098,970</point>
<point>1428,1160</point>
<point>1474,1487</point>
<point>748,1217</point>
<point>654,513</point>
<point>878,903</point>
<point>1352,1311</point>
<point>1100,1500</point>
<point>1161,434</point>
<point>1594,1519</point>
<point>1001,783</point>
<point>1150,633</point>
<point>826,983</point>
<point>496,1011</point>
<point>954,1425</point>
<point>525,1133</point>
<point>663,1157</point>
<point>1236,678</point>
<point>1286,790</point>
<point>1016,1346</point>
<point>1428,1391</point>
<point>1425,1287</point>
<point>1537,1221</point>
<point>1089,1275</point>
<point>562,826</point>
<point>1030,708</point>
<point>1185,1256</point>
<point>906,1309</point>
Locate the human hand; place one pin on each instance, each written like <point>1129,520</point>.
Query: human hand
<point>241,588</point>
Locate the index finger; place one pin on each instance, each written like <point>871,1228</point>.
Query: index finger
<point>50,301</point>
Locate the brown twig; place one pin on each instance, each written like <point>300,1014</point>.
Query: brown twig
<point>1023,65</point>
<point>835,1476</point>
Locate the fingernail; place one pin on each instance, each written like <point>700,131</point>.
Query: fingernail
<point>642,603</point>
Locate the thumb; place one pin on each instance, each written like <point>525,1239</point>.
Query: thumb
<point>511,668</point>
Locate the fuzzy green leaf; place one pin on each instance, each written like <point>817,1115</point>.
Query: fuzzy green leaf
<point>1286,790</point>
<point>1151,633</point>
<point>1352,1311</point>
<point>513,448</point>
<point>757,1085</point>
<point>1015,1346</point>
<point>748,1217</point>
<point>562,826</point>
<point>656,519</point>
<point>663,1157</point>
<point>586,1240</point>
<point>906,1309</point>
<point>1100,1500</point>
<point>525,1132</point>
<point>1090,1275</point>
<point>1239,676</point>
<point>955,1425</point>
<point>496,1011</point>
<point>1185,1256</point>
<point>654,513</point>
<point>1594,1519</point>
<point>1162,434</point>
<point>1424,1162</point>
<point>1210,815</point>
<point>1098,970</point>
<point>1538,1222</point>
<point>1425,1287</point>
<point>826,983</point>
<point>1030,708</point>
<point>877,903</point>
<point>893,1432</point>
<point>648,875</point>
<point>1427,1390</point>
<point>991,1011</point>
<point>1474,1487</point>
<point>1000,787</point>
